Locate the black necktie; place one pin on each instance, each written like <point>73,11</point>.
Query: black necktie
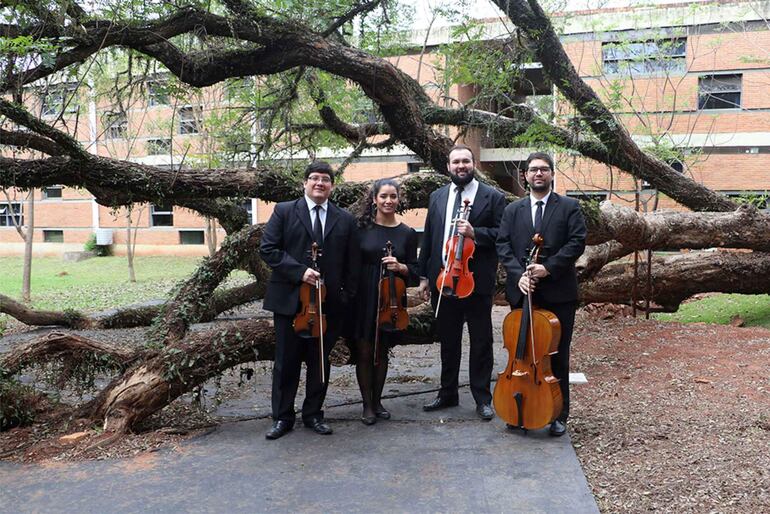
<point>538,216</point>
<point>458,199</point>
<point>318,229</point>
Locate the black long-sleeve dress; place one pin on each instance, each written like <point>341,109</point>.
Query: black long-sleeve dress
<point>373,240</point>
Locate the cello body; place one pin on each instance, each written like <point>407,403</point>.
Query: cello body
<point>527,395</point>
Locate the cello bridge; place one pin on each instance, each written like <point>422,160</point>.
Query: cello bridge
<point>518,373</point>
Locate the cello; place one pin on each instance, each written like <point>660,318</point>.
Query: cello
<point>310,321</point>
<point>391,303</point>
<point>455,280</point>
<point>527,395</point>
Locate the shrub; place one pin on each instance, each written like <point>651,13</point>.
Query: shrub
<point>17,404</point>
<point>99,250</point>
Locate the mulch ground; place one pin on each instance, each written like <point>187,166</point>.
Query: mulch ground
<point>674,417</point>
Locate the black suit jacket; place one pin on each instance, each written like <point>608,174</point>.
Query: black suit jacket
<point>285,244</point>
<point>486,211</point>
<point>564,236</point>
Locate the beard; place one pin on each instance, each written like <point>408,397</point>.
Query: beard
<point>540,188</point>
<point>462,181</point>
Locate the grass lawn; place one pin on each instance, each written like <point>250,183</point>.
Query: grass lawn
<point>98,283</point>
<point>720,308</point>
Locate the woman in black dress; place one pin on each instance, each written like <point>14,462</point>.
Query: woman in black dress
<point>378,225</point>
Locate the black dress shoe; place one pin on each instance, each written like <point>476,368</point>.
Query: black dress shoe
<point>440,403</point>
<point>382,413</point>
<point>367,418</point>
<point>558,428</point>
<point>485,412</point>
<point>280,428</point>
<point>319,427</point>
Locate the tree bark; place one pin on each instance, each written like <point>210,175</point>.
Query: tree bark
<point>678,277</point>
<point>29,234</point>
<point>61,346</point>
<point>128,317</point>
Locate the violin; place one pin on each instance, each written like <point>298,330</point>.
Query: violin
<point>391,303</point>
<point>455,280</point>
<point>527,395</point>
<point>310,321</point>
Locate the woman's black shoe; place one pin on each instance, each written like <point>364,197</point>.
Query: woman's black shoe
<point>382,413</point>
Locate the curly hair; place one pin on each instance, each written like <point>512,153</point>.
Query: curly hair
<point>367,212</point>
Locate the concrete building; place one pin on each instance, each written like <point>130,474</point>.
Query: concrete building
<point>688,79</point>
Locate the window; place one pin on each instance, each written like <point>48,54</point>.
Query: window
<point>162,215</point>
<point>53,236</point>
<point>719,91</point>
<point>58,99</point>
<point>10,212</point>
<point>191,237</point>
<point>157,92</point>
<point>52,192</point>
<point>188,121</point>
<point>158,146</point>
<point>588,196</point>
<point>414,167</point>
<point>246,206</point>
<point>116,125</point>
<point>644,57</point>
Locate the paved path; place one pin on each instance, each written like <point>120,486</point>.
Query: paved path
<point>447,461</point>
<point>417,462</point>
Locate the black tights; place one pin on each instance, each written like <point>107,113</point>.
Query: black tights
<point>371,378</point>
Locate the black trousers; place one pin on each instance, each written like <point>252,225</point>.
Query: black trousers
<point>290,352</point>
<point>476,310</point>
<point>565,313</point>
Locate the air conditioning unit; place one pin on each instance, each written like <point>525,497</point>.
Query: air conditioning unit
<point>104,236</point>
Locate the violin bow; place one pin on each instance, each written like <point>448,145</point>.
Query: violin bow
<point>318,284</point>
<point>377,320</point>
<point>315,252</point>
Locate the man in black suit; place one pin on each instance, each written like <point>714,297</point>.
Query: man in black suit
<point>285,247</point>
<point>553,281</point>
<point>487,205</point>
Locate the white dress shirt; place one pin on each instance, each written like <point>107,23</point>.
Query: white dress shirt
<point>469,193</point>
<point>311,206</point>
<point>533,205</point>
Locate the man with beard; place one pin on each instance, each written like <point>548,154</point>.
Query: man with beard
<point>552,282</point>
<point>487,205</point>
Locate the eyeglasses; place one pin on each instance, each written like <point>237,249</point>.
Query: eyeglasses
<point>541,169</point>
<point>320,178</point>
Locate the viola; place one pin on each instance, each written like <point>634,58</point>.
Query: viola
<point>527,395</point>
<point>310,321</point>
<point>391,302</point>
<point>455,280</point>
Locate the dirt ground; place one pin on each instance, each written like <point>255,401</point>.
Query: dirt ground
<point>674,417</point>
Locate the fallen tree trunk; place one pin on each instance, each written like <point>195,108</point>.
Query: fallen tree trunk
<point>178,368</point>
<point>678,277</point>
<point>128,317</point>
<point>746,227</point>
<point>41,318</point>
<point>62,346</point>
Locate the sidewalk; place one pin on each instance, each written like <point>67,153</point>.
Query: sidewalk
<point>445,461</point>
